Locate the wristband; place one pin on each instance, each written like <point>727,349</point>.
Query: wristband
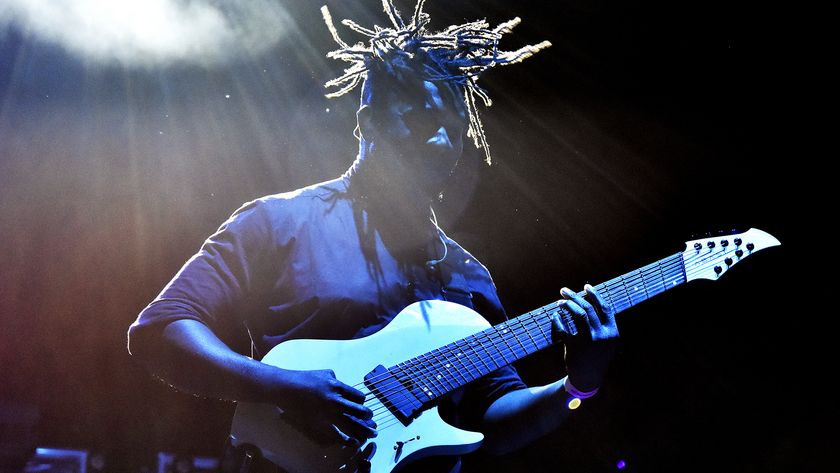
<point>576,394</point>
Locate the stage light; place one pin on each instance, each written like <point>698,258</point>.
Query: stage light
<point>574,403</point>
<point>621,464</point>
<point>58,459</point>
<point>152,32</point>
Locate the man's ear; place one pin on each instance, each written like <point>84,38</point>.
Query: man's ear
<point>364,122</point>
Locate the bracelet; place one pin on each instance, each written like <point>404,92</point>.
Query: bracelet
<point>577,393</point>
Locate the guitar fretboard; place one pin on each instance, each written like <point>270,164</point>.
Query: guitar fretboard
<point>441,371</point>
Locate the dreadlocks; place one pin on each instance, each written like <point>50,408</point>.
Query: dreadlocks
<point>459,54</point>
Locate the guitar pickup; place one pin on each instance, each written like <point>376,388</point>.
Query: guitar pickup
<point>392,394</point>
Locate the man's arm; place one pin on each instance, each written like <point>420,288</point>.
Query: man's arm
<point>173,339</point>
<point>522,416</point>
<point>192,358</point>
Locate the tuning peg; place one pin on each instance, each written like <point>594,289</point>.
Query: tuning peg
<point>739,253</point>
<point>728,261</point>
<point>738,241</point>
<point>750,247</point>
<point>711,245</point>
<point>698,246</point>
<point>724,243</point>
<point>718,270</point>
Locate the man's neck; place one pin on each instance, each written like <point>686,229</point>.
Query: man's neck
<point>398,216</point>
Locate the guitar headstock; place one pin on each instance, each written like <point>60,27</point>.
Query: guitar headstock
<point>709,258</point>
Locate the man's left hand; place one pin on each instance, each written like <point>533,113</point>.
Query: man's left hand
<point>588,353</point>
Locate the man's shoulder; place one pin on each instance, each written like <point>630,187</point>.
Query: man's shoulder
<point>299,199</point>
<point>288,207</point>
<point>466,261</point>
<point>322,191</point>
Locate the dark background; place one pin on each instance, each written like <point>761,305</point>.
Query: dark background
<point>647,123</point>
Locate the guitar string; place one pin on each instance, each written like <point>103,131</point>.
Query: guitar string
<point>554,305</point>
<point>518,352</point>
<point>518,349</point>
<point>443,352</point>
<point>394,420</point>
<point>639,275</point>
<point>631,301</point>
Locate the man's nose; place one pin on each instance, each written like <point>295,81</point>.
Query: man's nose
<point>440,138</point>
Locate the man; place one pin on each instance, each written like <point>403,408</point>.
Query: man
<point>340,259</point>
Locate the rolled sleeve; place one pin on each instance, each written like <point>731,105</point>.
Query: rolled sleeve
<point>213,286</point>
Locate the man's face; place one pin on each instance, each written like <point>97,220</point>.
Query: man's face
<point>418,134</point>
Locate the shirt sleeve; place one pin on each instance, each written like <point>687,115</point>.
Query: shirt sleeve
<point>214,284</point>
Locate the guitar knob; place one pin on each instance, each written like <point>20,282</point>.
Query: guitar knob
<point>738,241</point>
<point>739,253</point>
<point>750,246</point>
<point>724,243</point>
<point>718,270</point>
<point>728,261</point>
<point>711,245</point>
<point>698,246</point>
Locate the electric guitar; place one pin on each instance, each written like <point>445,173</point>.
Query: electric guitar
<point>432,348</point>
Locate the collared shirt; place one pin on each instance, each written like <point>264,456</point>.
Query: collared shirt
<point>310,264</point>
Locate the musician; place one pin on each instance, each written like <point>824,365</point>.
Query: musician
<point>339,259</point>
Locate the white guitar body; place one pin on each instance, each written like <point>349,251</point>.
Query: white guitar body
<point>417,329</point>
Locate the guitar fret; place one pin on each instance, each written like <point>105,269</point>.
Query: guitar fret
<point>504,335</point>
<point>528,332</point>
<point>430,377</point>
<point>525,341</point>
<point>472,359</point>
<point>476,342</point>
<point>492,341</point>
<point>442,370</point>
<point>505,346</point>
<point>463,360</point>
<point>442,378</point>
<point>453,364</point>
<point>419,378</point>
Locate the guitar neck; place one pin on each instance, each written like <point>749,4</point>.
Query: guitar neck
<point>437,373</point>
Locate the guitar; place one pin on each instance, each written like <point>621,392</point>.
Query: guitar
<point>432,348</point>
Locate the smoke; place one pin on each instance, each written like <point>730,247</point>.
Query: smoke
<point>151,32</point>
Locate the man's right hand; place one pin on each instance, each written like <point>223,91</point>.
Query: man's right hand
<point>191,357</point>
<point>323,408</point>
